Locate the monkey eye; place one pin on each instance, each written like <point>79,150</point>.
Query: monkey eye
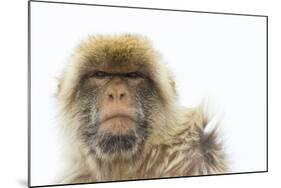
<point>133,75</point>
<point>100,74</point>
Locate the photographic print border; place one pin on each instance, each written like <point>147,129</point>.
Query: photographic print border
<point>131,7</point>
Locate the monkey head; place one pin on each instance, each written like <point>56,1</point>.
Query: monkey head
<point>115,95</point>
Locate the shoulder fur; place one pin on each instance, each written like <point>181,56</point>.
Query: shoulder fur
<point>190,149</point>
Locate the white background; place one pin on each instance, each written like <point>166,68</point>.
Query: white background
<point>14,105</point>
<point>222,57</point>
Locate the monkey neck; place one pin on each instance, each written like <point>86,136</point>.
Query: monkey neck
<point>119,169</point>
<point>149,164</point>
<point>124,169</point>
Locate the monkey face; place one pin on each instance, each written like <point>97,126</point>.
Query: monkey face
<point>117,105</point>
<point>115,94</point>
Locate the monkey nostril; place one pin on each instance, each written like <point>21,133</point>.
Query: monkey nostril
<point>110,96</point>
<point>122,95</point>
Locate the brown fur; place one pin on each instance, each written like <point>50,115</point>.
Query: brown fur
<point>177,145</point>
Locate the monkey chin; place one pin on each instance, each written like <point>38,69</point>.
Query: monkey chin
<point>117,139</point>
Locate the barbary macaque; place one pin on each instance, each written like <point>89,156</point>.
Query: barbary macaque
<point>121,117</point>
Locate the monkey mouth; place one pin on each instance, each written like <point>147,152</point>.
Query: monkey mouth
<point>117,124</point>
<point>116,116</point>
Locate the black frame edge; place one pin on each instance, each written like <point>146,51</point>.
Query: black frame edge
<point>120,181</point>
<point>29,92</point>
<point>267,93</point>
<point>149,8</point>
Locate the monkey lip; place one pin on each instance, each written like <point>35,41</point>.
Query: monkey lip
<point>117,116</point>
<point>117,124</point>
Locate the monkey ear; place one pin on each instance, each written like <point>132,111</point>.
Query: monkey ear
<point>173,85</point>
<point>58,89</point>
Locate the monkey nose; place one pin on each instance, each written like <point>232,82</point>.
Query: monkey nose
<point>116,95</point>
